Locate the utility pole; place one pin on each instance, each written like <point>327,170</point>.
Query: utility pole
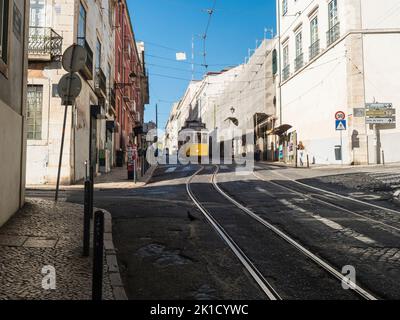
<point>157,120</point>
<point>192,57</point>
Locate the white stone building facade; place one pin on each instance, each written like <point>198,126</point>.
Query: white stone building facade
<point>13,65</point>
<point>338,55</point>
<point>234,101</point>
<point>90,24</point>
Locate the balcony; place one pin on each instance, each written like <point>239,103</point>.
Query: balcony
<point>299,62</point>
<point>87,71</point>
<point>100,83</point>
<point>286,72</point>
<point>333,34</point>
<point>314,49</point>
<point>44,44</point>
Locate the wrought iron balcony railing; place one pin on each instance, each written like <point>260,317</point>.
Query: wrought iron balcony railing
<point>286,72</point>
<point>299,62</point>
<point>333,34</point>
<point>314,49</point>
<point>100,83</point>
<point>87,70</point>
<point>44,42</point>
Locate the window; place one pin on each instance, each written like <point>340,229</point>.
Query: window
<point>333,33</point>
<point>299,44</point>
<point>286,65</point>
<point>3,29</point>
<point>109,77</point>
<point>299,61</point>
<point>98,54</point>
<point>333,13</point>
<point>314,30</point>
<point>37,13</point>
<point>285,56</point>
<point>82,25</point>
<point>284,7</point>
<point>34,112</point>
<point>314,37</point>
<point>274,62</point>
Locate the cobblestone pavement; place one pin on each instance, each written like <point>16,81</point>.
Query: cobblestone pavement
<point>42,234</point>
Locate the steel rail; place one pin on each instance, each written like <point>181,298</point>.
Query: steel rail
<point>353,286</point>
<point>338,194</point>
<point>327,202</point>
<point>246,262</point>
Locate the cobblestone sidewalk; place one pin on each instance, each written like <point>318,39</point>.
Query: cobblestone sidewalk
<point>42,234</point>
<point>116,179</point>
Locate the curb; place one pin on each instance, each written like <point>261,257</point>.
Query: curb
<point>111,259</point>
<point>149,174</point>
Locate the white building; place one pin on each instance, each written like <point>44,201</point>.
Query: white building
<point>241,98</point>
<point>338,55</point>
<point>13,65</point>
<point>54,26</point>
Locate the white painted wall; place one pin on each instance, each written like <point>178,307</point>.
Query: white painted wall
<point>344,76</point>
<point>43,155</point>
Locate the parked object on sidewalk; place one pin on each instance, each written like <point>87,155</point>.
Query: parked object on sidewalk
<point>120,158</point>
<point>300,149</point>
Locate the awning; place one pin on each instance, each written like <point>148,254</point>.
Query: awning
<point>234,120</point>
<point>280,130</point>
<point>259,118</point>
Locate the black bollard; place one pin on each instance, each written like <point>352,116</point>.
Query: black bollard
<point>86,220</point>
<point>91,180</point>
<point>98,246</point>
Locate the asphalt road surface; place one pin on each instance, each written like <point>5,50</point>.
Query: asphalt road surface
<point>296,236</point>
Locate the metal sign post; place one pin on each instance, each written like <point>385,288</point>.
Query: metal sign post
<point>69,87</point>
<point>341,125</point>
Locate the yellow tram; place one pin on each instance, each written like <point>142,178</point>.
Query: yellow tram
<point>195,139</point>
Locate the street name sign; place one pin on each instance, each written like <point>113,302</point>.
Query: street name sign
<point>341,125</point>
<point>380,113</point>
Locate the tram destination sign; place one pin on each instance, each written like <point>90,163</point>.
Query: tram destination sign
<point>380,113</point>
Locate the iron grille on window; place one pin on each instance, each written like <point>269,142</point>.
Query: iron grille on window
<point>299,61</point>
<point>34,112</point>
<point>314,49</point>
<point>286,72</point>
<point>333,34</point>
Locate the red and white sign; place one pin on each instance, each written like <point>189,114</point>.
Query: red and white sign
<point>340,115</point>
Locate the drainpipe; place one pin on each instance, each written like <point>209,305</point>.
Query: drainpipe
<point>278,5</point>
<point>23,108</point>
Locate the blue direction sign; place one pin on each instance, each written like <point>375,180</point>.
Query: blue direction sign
<point>341,125</point>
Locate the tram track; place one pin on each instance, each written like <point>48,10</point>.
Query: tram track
<point>291,245</point>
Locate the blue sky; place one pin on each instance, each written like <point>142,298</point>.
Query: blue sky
<point>167,26</point>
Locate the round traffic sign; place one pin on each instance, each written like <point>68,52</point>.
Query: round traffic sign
<point>340,115</point>
<point>74,58</point>
<point>69,87</point>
